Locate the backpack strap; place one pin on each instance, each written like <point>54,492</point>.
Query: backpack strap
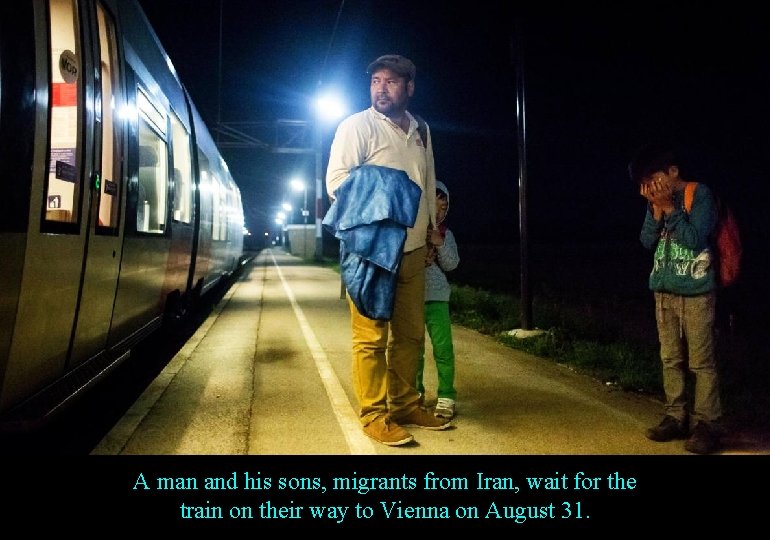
<point>422,129</point>
<point>689,195</point>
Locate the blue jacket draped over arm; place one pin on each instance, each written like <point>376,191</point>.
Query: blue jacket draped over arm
<point>370,213</point>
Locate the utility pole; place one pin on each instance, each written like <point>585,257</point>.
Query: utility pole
<point>319,248</point>
<point>521,128</point>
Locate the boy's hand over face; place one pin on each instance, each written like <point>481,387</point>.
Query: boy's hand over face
<point>660,195</point>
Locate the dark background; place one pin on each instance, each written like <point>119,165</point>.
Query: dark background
<point>598,81</point>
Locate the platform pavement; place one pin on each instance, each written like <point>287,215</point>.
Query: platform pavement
<point>268,373</point>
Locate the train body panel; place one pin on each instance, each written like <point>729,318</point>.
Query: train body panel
<point>122,205</point>
<point>221,224</point>
<point>12,247</point>
<point>102,209</point>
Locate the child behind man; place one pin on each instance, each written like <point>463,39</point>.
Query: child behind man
<point>442,257</point>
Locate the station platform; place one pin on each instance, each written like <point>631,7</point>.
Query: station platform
<point>268,373</point>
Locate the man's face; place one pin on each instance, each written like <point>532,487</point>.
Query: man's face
<point>390,92</point>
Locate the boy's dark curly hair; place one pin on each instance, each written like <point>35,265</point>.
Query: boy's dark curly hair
<point>649,159</point>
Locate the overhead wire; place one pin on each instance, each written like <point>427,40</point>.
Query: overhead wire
<point>331,43</point>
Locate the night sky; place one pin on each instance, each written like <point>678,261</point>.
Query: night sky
<point>597,84</point>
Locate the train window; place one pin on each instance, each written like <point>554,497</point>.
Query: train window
<point>204,188</point>
<point>152,115</point>
<point>219,220</point>
<point>215,206</point>
<point>237,212</point>
<point>182,171</point>
<point>108,185</point>
<point>227,201</point>
<point>153,169</point>
<point>63,186</point>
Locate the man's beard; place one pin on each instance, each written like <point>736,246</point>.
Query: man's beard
<point>385,106</point>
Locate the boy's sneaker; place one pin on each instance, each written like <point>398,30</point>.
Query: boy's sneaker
<point>445,408</point>
<point>386,431</point>
<point>423,419</point>
<point>704,439</point>
<point>669,429</point>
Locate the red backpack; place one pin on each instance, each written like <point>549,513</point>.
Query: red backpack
<point>727,238</point>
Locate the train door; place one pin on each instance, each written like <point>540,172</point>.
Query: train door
<point>72,242</point>
<point>103,239</point>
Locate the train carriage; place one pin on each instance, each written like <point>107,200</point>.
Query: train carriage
<point>117,207</point>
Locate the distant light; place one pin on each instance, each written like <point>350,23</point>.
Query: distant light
<point>286,206</point>
<point>267,233</point>
<point>330,107</point>
<point>297,184</point>
<point>278,221</point>
<point>281,216</point>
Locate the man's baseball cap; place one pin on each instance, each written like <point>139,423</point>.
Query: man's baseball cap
<point>395,62</point>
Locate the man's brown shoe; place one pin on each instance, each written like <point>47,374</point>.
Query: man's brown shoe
<point>421,418</point>
<point>386,431</point>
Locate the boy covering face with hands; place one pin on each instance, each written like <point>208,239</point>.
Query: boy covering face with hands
<point>683,281</point>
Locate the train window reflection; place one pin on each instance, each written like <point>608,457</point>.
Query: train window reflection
<point>63,184</point>
<point>182,171</point>
<point>109,184</point>
<point>153,175</point>
<point>206,186</point>
<point>219,199</point>
<point>151,114</point>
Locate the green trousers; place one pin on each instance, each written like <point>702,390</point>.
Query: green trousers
<point>439,328</point>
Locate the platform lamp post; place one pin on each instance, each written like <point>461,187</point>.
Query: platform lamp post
<point>300,185</point>
<point>280,220</point>
<point>328,109</point>
<point>288,208</point>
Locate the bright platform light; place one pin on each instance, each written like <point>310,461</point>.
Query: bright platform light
<point>330,107</point>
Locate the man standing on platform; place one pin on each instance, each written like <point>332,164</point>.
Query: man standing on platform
<point>386,352</point>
